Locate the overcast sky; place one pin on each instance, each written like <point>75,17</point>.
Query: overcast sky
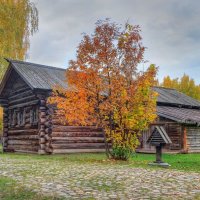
<point>170,30</point>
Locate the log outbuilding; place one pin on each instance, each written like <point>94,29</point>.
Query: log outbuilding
<point>32,125</point>
<point>179,115</point>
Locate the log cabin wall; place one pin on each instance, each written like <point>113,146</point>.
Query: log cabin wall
<point>74,139</point>
<point>193,139</point>
<point>20,132</point>
<point>45,125</point>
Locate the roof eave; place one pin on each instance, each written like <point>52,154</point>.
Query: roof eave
<point>177,105</point>
<point>5,78</point>
<point>178,121</point>
<point>47,92</point>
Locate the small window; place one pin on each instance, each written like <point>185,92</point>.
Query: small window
<point>34,115</point>
<point>9,118</point>
<point>21,117</point>
<point>13,118</point>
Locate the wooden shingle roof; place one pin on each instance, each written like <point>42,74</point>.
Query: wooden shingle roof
<point>167,96</point>
<point>181,115</point>
<point>38,76</point>
<point>45,77</point>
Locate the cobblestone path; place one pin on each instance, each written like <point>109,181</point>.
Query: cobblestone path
<point>73,180</point>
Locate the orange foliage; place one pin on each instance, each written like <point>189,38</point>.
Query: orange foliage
<point>105,88</point>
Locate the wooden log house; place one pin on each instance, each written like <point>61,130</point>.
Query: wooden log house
<point>31,125</point>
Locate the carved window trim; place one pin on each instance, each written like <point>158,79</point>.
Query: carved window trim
<point>21,117</point>
<point>13,118</point>
<point>17,117</point>
<point>34,115</point>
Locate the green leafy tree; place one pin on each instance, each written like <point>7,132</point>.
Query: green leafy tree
<point>18,20</point>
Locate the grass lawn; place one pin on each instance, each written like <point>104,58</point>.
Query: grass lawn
<point>183,162</point>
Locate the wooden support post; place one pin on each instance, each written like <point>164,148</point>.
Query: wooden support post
<point>45,127</point>
<point>159,154</point>
<point>185,148</point>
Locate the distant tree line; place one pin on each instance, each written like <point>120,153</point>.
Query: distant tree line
<point>185,84</point>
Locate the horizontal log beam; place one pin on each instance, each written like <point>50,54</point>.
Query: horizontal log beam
<point>22,147</point>
<point>57,128</point>
<point>23,132</point>
<point>23,142</point>
<point>62,151</point>
<point>23,137</point>
<point>79,146</point>
<point>22,100</point>
<point>57,140</point>
<point>20,90</point>
<point>21,94</point>
<point>35,102</point>
<point>25,151</point>
<point>77,134</point>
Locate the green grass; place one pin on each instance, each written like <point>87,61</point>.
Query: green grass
<point>10,190</point>
<point>183,162</point>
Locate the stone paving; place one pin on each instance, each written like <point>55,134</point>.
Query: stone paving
<point>73,180</point>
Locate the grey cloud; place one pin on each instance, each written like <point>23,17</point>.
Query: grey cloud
<point>170,30</point>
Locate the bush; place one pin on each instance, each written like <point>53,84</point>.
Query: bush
<point>121,153</point>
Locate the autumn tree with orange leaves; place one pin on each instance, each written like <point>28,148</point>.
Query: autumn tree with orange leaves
<point>105,87</point>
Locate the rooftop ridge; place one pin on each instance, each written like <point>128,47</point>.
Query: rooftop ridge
<point>164,88</point>
<point>34,64</point>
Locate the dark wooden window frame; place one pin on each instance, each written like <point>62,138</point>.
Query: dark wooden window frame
<point>34,115</point>
<point>17,117</point>
<point>13,118</point>
<point>21,117</point>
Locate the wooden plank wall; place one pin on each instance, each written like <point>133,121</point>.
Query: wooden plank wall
<point>73,139</point>
<point>193,139</point>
